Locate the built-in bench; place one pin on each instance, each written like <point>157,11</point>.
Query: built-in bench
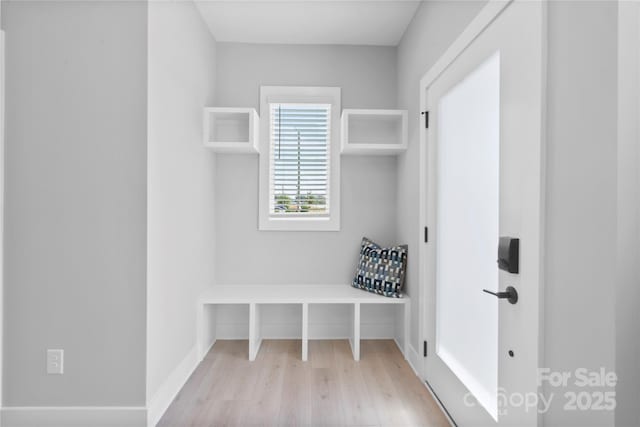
<point>258,295</point>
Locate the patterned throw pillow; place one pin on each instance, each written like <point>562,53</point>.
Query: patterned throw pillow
<point>381,270</point>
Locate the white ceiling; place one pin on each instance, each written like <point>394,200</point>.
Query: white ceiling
<point>354,22</point>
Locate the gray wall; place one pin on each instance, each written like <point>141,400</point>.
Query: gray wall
<point>434,27</point>
<point>627,289</point>
<point>581,198</point>
<point>367,76</point>
<point>180,183</point>
<point>75,202</point>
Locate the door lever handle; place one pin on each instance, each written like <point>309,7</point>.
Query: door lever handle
<point>510,294</point>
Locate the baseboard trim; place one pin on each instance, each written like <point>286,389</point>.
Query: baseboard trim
<point>452,423</point>
<point>170,388</point>
<point>401,348</point>
<point>74,416</point>
<point>413,358</point>
<point>288,330</point>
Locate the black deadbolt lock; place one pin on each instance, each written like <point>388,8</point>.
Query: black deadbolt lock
<point>509,254</point>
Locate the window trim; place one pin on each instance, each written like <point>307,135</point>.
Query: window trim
<point>292,95</point>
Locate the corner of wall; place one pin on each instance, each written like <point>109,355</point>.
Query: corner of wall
<point>181,70</point>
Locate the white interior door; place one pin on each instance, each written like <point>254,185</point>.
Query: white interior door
<point>484,181</point>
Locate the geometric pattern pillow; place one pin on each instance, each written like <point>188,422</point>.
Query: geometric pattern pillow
<point>381,270</point>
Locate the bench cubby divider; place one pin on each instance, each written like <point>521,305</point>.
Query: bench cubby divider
<point>354,340</point>
<point>305,331</point>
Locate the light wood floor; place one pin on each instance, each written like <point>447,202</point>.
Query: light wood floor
<point>278,389</point>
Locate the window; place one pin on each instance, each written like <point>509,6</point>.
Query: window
<point>300,140</point>
<point>299,159</point>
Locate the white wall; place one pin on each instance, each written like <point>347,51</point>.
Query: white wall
<point>434,27</point>
<point>75,202</point>
<point>627,289</point>
<point>181,186</point>
<point>244,255</point>
<point>581,197</point>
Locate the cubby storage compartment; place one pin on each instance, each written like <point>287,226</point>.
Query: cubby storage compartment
<point>281,321</point>
<point>231,321</point>
<point>330,321</point>
<point>231,130</point>
<point>273,321</point>
<point>374,131</point>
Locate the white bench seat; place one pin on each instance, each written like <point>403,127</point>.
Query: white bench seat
<point>257,295</point>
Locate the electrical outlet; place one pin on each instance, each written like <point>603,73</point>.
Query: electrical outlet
<point>55,361</point>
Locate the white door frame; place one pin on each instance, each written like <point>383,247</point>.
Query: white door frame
<point>477,26</point>
<point>484,18</point>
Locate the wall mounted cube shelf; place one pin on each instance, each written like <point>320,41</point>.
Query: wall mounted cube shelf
<point>381,132</point>
<point>231,130</point>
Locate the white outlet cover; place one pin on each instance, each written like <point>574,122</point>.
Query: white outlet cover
<point>55,361</point>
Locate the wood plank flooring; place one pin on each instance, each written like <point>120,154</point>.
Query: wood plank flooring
<point>278,389</point>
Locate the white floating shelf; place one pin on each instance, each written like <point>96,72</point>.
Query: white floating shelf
<point>382,132</point>
<point>231,130</point>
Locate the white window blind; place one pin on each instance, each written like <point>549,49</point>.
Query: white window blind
<point>299,159</point>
